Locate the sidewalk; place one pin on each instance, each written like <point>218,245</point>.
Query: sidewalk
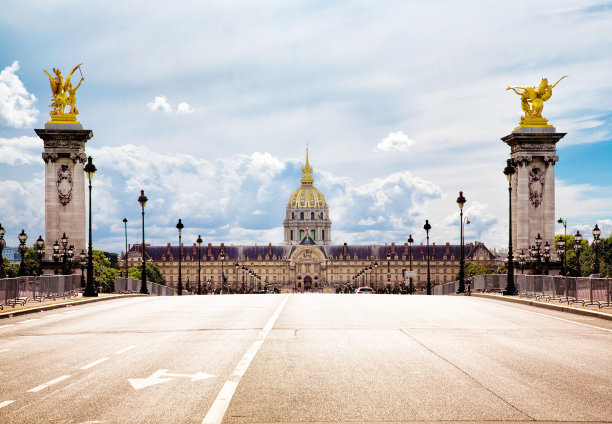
<point>592,311</point>
<point>45,305</point>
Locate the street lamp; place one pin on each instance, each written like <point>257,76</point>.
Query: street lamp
<point>461,201</point>
<point>2,246</point>
<point>578,248</point>
<point>222,258</point>
<point>142,199</point>
<point>561,244</point>
<point>56,255</point>
<point>22,250</point>
<point>199,241</point>
<point>427,227</point>
<point>522,256</point>
<point>126,247</point>
<point>388,266</point>
<point>509,171</point>
<point>90,290</point>
<point>179,227</point>
<point>236,266</point>
<point>83,256</point>
<point>40,249</point>
<point>596,242</point>
<point>410,241</point>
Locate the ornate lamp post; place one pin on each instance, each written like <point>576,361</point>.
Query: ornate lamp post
<point>561,244</point>
<point>522,257</point>
<point>410,241</point>
<point>509,171</point>
<point>388,266</point>
<point>126,246</point>
<point>199,241</point>
<point>83,257</point>
<point>222,258</point>
<point>40,250</point>
<point>237,267</point>
<point>427,227</point>
<point>90,290</point>
<point>461,201</point>
<point>578,249</point>
<point>142,199</point>
<point>596,241</point>
<point>179,227</point>
<point>22,250</point>
<point>2,246</point>
<point>56,255</point>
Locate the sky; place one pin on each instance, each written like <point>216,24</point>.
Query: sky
<point>209,108</point>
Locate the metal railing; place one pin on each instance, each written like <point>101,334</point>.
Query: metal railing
<point>584,290</point>
<point>131,285</point>
<point>20,290</point>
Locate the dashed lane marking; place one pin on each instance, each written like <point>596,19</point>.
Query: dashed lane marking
<point>6,403</point>
<point>4,350</point>
<point>119,352</point>
<point>28,320</point>
<point>6,325</point>
<point>94,363</point>
<point>48,383</point>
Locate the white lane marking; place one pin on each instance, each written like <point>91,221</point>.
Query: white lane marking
<point>28,320</point>
<point>54,315</point>
<point>158,377</point>
<point>219,407</point>
<point>550,316</point>
<point>48,383</point>
<point>69,312</point>
<point>6,325</point>
<point>6,403</point>
<point>4,350</point>
<point>94,363</point>
<point>119,352</point>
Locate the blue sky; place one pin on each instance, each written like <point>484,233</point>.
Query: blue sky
<point>209,106</point>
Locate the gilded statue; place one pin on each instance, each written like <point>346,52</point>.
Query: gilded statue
<point>532,102</point>
<point>63,95</point>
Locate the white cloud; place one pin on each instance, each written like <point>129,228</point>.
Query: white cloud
<point>395,142</point>
<point>184,108</point>
<point>160,104</point>
<point>16,104</point>
<point>20,149</point>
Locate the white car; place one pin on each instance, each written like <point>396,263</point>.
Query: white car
<point>364,290</point>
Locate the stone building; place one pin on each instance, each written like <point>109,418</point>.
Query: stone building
<point>307,260</point>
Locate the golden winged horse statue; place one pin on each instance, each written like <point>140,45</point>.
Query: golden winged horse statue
<point>63,94</point>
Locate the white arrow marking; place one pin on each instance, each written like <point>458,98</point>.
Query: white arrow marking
<point>161,376</point>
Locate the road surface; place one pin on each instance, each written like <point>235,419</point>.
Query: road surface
<point>304,358</point>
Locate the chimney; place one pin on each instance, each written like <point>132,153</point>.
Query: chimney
<point>393,248</point>
<point>209,250</point>
<point>345,250</point>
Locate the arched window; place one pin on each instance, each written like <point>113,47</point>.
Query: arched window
<point>292,215</point>
<point>301,215</point>
<point>321,215</point>
<point>311,215</point>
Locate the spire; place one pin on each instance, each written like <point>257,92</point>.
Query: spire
<point>307,172</point>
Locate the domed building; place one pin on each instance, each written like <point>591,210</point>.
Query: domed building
<point>307,209</point>
<point>307,260</point>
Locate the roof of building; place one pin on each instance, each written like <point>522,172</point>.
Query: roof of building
<point>307,195</point>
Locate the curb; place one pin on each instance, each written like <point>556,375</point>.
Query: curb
<point>66,304</point>
<point>551,306</point>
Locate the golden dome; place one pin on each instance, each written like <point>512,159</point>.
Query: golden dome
<point>307,196</point>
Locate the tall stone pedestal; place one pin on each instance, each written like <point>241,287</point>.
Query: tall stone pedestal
<point>64,156</point>
<point>533,150</point>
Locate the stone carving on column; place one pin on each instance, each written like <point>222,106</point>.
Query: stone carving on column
<point>550,160</point>
<point>64,184</point>
<point>536,185</point>
<point>78,157</point>
<point>49,157</point>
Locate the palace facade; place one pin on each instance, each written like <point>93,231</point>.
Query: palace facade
<point>307,260</point>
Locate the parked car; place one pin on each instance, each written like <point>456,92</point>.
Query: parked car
<point>364,290</point>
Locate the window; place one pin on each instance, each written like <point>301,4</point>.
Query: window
<point>301,215</point>
<point>322,234</point>
<point>311,215</point>
<point>291,237</point>
<point>292,215</point>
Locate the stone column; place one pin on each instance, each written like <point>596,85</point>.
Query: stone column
<point>65,199</point>
<point>533,150</point>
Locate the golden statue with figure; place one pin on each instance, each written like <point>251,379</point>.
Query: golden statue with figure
<point>532,103</point>
<point>63,95</point>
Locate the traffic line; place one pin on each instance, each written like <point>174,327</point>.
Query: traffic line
<point>94,363</point>
<point>28,320</point>
<point>219,407</point>
<point>6,325</point>
<point>119,352</point>
<point>4,350</point>
<point>48,383</point>
<point>6,403</point>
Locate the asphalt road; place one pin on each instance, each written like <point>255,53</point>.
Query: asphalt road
<point>304,358</point>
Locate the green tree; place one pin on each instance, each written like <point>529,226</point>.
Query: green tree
<point>153,274</point>
<point>472,268</point>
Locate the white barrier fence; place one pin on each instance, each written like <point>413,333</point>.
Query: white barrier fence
<point>20,290</point>
<point>585,290</point>
<point>130,285</point>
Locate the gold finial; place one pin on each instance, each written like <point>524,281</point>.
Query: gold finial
<point>307,172</point>
<point>532,103</point>
<point>63,94</point>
